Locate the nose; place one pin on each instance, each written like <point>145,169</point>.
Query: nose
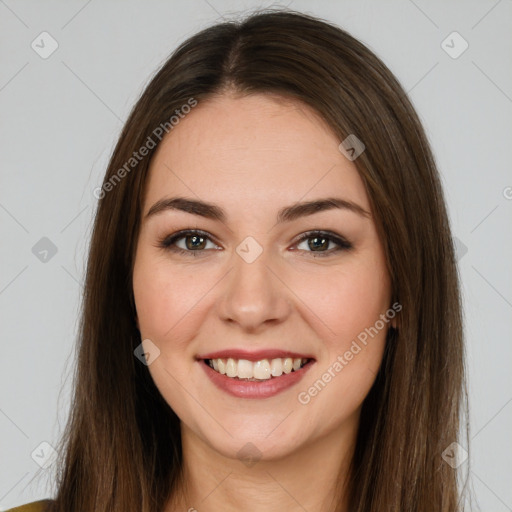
<point>254,295</point>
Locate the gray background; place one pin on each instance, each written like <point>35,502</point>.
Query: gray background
<point>60,118</point>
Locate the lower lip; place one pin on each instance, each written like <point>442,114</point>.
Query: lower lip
<point>253,389</point>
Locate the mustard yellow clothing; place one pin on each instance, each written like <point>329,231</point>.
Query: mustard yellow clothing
<point>35,506</point>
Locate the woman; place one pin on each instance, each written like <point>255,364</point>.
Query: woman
<point>271,316</point>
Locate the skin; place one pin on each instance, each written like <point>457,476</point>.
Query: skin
<point>252,156</point>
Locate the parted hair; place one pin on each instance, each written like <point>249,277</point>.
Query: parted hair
<point>121,447</point>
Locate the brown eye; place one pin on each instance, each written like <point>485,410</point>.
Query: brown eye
<point>194,243</point>
<point>319,242</point>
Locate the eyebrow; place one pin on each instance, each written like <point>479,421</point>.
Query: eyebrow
<point>286,214</point>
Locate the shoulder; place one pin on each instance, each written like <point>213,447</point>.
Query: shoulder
<point>35,506</point>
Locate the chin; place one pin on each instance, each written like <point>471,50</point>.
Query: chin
<point>254,440</point>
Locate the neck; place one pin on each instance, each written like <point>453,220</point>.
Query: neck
<point>310,478</point>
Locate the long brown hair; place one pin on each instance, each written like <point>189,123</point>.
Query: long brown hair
<point>121,449</point>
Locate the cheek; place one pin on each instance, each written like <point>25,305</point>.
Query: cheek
<point>346,301</point>
<point>350,306</point>
<point>166,296</point>
<point>167,300</point>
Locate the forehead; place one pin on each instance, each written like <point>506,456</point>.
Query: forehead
<point>259,148</point>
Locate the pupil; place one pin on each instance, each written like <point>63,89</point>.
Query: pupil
<point>314,245</point>
<point>195,239</point>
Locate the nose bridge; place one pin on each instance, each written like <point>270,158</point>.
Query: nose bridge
<point>252,294</point>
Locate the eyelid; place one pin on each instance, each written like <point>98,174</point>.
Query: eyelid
<point>322,232</point>
<point>342,243</point>
<point>167,241</point>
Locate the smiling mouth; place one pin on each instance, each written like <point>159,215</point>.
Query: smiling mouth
<point>256,371</point>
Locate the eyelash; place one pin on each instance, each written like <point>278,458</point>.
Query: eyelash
<point>168,242</point>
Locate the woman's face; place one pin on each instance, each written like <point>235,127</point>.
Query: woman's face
<point>248,288</point>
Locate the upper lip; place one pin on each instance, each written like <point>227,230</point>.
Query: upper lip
<point>253,355</point>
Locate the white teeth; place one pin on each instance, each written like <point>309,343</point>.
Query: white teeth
<point>244,369</point>
<point>262,369</point>
<point>258,370</point>
<point>276,368</point>
<point>231,368</point>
